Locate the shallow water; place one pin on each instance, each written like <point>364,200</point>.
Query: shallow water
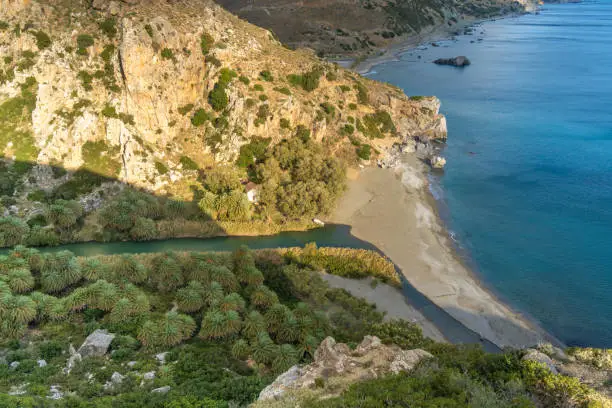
<point>527,190</point>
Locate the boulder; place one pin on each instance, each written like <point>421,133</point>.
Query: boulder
<point>149,375</point>
<point>116,379</point>
<point>437,162</point>
<point>539,357</point>
<point>96,344</point>
<point>55,393</point>
<point>460,61</point>
<point>337,364</point>
<point>41,363</point>
<point>162,390</point>
<point>161,357</point>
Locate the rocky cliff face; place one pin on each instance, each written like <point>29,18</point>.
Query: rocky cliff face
<point>141,90</point>
<point>357,28</point>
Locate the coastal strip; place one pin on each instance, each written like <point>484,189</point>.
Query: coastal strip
<point>393,209</point>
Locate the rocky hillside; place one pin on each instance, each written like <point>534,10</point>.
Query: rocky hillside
<point>148,91</point>
<point>359,27</point>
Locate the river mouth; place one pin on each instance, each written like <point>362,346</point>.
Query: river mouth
<point>331,235</point>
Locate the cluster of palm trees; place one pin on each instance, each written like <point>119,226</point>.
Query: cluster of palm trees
<point>226,298</point>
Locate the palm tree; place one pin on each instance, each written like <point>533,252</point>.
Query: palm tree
<point>175,328</point>
<point>253,324</point>
<point>289,331</point>
<point>49,307</point>
<point>21,280</point>
<point>308,345</point>
<point>127,267</point>
<point>233,301</point>
<point>242,260</point>
<point>59,270</point>
<point>5,289</point>
<point>122,311</point>
<point>214,325</point>
<point>78,299</point>
<point>286,357</point>
<point>213,294</point>
<point>190,298</point>
<point>233,322</point>
<point>251,276</point>
<point>167,274</point>
<point>264,349</point>
<point>22,309</point>
<point>148,334</point>
<point>32,256</point>
<point>225,277</point>
<point>263,297</point>
<point>276,316</point>
<point>93,269</point>
<point>102,295</point>
<point>241,349</point>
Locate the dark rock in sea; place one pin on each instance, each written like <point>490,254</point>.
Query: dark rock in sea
<point>435,44</point>
<point>460,61</point>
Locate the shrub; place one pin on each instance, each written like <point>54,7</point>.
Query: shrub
<point>188,164</point>
<point>206,43</point>
<point>84,41</point>
<point>252,152</point>
<point>183,110</point>
<point>42,40</point>
<point>348,129</point>
<point>217,98</point>
<point>362,93</point>
<point>108,27</point>
<point>13,231</point>
<point>258,87</point>
<point>161,168</point>
<point>167,54</point>
<point>309,81</point>
<point>283,90</point>
<point>285,124</point>
<point>344,88</point>
<point>417,98</point>
<point>364,151</point>
<point>200,117</point>
<point>266,76</point>
<point>149,30</point>
<point>244,80</point>
<point>352,106</point>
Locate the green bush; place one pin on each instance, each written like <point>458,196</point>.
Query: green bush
<point>206,43</point>
<point>362,93</point>
<point>161,168</point>
<point>84,41</point>
<point>283,90</point>
<point>217,98</point>
<point>108,27</point>
<point>188,164</point>
<point>364,151</point>
<point>266,76</point>
<point>42,40</point>
<point>244,80</point>
<point>167,54</point>
<point>200,117</point>
<point>252,152</point>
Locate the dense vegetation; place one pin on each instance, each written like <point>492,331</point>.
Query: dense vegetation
<point>230,323</point>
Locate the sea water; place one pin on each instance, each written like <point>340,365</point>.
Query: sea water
<point>527,191</point>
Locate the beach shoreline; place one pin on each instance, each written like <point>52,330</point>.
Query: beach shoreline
<point>438,33</point>
<point>394,210</point>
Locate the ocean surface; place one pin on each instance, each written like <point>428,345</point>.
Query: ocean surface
<point>527,191</point>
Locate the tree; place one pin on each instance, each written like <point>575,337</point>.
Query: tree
<point>252,277</point>
<point>127,267</point>
<point>59,270</point>
<point>253,324</point>
<point>242,260</point>
<point>286,357</point>
<point>214,325</point>
<point>233,323</point>
<point>276,316</point>
<point>144,229</point>
<point>20,280</point>
<point>263,349</point>
<point>167,274</point>
<point>13,231</point>
<point>168,330</point>
<point>263,297</point>
<point>225,277</point>
<point>233,301</point>
<point>241,349</point>
<point>190,298</point>
<point>93,269</point>
<point>213,294</point>
<point>102,295</point>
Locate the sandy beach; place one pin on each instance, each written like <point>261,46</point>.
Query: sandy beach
<point>394,210</point>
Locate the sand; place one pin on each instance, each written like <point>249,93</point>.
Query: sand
<point>400,219</point>
<point>388,300</point>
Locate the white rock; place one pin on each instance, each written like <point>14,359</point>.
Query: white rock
<point>161,357</point>
<point>18,389</point>
<point>149,375</point>
<point>96,344</point>
<point>437,162</point>
<point>41,363</point>
<point>14,364</point>
<point>55,393</point>
<point>162,390</point>
<point>131,364</point>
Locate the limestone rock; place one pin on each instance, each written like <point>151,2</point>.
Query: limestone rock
<point>538,356</point>
<point>149,375</point>
<point>460,61</point>
<point>55,393</point>
<point>161,357</point>
<point>437,162</point>
<point>96,344</point>
<point>41,363</point>
<point>162,390</point>
<point>116,379</point>
<point>337,362</point>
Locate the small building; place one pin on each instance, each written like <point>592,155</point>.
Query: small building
<point>251,191</point>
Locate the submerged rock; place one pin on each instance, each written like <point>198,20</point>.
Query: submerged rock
<point>460,61</point>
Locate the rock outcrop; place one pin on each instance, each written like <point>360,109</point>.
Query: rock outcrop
<point>460,61</point>
<point>338,363</point>
<point>96,344</point>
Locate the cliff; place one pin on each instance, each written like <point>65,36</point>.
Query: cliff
<point>359,28</point>
<point>146,91</point>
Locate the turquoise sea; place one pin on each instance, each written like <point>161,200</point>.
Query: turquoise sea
<point>527,192</point>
